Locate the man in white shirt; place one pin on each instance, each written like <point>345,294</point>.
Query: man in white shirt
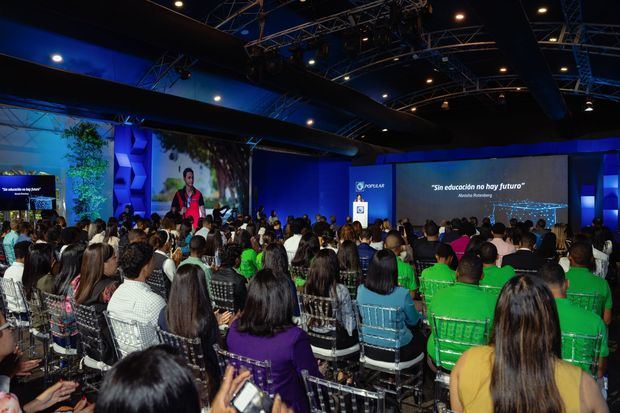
<point>133,299</point>
<point>503,248</point>
<point>291,244</point>
<point>15,273</point>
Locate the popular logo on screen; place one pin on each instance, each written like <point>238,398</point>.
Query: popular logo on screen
<point>360,186</point>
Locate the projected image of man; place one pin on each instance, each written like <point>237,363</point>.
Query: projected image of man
<point>188,200</point>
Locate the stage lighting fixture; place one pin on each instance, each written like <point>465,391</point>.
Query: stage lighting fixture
<point>503,69</point>
<point>518,89</point>
<point>459,17</point>
<point>589,106</point>
<point>365,38</point>
<point>322,50</point>
<point>217,98</point>
<point>542,10</point>
<point>382,36</point>
<point>351,43</point>
<point>178,4</point>
<point>57,58</point>
<point>310,122</point>
<point>396,59</point>
<point>273,62</point>
<point>384,130</point>
<point>429,80</point>
<point>184,74</point>
<point>347,78</point>
<point>564,69</point>
<point>384,96</point>
<point>502,99</point>
<point>445,105</point>
<point>413,109</point>
<point>553,39</point>
<point>297,55</point>
<point>311,62</point>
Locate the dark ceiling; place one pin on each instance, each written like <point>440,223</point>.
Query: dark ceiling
<point>507,72</point>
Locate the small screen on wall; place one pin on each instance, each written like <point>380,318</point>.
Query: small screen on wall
<point>27,192</point>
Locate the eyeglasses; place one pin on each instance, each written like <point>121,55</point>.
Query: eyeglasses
<point>8,324</point>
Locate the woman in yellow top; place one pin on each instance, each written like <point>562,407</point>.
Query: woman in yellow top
<point>521,370</point>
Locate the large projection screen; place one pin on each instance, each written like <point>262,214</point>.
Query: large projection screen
<point>522,188</point>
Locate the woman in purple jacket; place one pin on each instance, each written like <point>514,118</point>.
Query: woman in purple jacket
<point>265,331</point>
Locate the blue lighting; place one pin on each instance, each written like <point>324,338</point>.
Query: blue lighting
<point>610,181</point>
<point>587,202</point>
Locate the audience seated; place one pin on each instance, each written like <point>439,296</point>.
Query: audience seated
<point>426,247</point>
<point>348,258</point>
<point>189,314</point>
<point>572,318</point>
<point>277,261</point>
<point>459,245</point>
<point>381,288</point>
<point>15,273</point>
<point>492,275</point>
<point>440,271</point>
<point>464,300</point>
<point>521,370</point>
<point>227,272</point>
<point>247,266</point>
<point>292,244</point>
<point>406,278</point>
<point>268,237</point>
<point>524,258</point>
<point>37,269</point>
<point>364,250</point>
<point>307,250</point>
<point>265,331</point>
<point>9,241</point>
<point>323,282</point>
<point>196,251</point>
<point>134,300</point>
<point>161,243</point>
<point>377,236</point>
<point>583,281</point>
<point>503,247</point>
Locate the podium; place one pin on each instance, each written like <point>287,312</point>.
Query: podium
<point>360,213</point>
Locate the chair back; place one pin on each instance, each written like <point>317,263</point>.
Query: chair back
<point>422,264</point>
<point>62,322</point>
<point>260,370</point>
<point>91,326</point>
<point>326,396</point>
<point>222,295</point>
<point>380,326</point>
<point>429,287</point>
<point>489,289</point>
<point>317,317</point>
<point>453,336</point>
<point>364,263</point>
<point>525,271</point>
<point>582,351</point>
<point>158,281</point>
<point>13,300</point>
<point>591,302</point>
<point>351,279</point>
<point>299,272</point>
<point>191,349</point>
<point>39,317</point>
<point>130,335</point>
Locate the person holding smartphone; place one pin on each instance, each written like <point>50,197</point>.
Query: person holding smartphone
<point>188,200</point>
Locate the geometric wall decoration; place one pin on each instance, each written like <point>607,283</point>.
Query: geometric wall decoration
<point>610,190</point>
<point>132,169</point>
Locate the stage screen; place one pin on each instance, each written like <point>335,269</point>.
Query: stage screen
<point>221,170</point>
<point>16,191</point>
<point>523,188</point>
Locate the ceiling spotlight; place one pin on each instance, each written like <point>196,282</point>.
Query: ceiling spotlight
<point>396,59</point>
<point>384,130</point>
<point>503,69</point>
<point>501,99</point>
<point>347,78</point>
<point>413,109</point>
<point>217,98</point>
<point>310,122</point>
<point>553,39</point>
<point>518,89</point>
<point>311,62</point>
<point>429,80</point>
<point>57,58</point>
<point>365,38</point>
<point>445,105</point>
<point>564,69</point>
<point>459,17</point>
<point>245,32</point>
<point>178,4</point>
<point>542,10</point>
<point>589,106</point>
<point>384,96</point>
<point>302,1</point>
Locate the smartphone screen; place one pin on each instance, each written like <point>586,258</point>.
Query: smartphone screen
<point>244,396</point>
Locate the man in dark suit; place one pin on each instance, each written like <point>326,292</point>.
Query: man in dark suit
<point>426,247</point>
<point>524,258</point>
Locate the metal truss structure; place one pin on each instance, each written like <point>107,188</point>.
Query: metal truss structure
<point>367,13</point>
<point>570,84</point>
<point>577,33</point>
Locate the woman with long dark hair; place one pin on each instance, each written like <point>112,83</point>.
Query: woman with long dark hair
<point>265,331</point>
<point>97,280</point>
<point>276,259</point>
<point>189,314</point>
<point>306,251</point>
<point>37,269</point>
<point>214,246</point>
<point>521,371</point>
<point>70,266</point>
<point>348,256</point>
<point>323,281</point>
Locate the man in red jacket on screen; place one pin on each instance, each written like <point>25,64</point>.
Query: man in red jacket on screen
<point>188,199</point>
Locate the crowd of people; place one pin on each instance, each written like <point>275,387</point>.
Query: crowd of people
<point>515,278</point>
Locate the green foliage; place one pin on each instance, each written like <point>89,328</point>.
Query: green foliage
<point>87,168</point>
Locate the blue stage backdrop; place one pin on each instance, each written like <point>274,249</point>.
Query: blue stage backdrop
<point>376,185</point>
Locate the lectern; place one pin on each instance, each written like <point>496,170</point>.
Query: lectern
<point>360,213</point>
